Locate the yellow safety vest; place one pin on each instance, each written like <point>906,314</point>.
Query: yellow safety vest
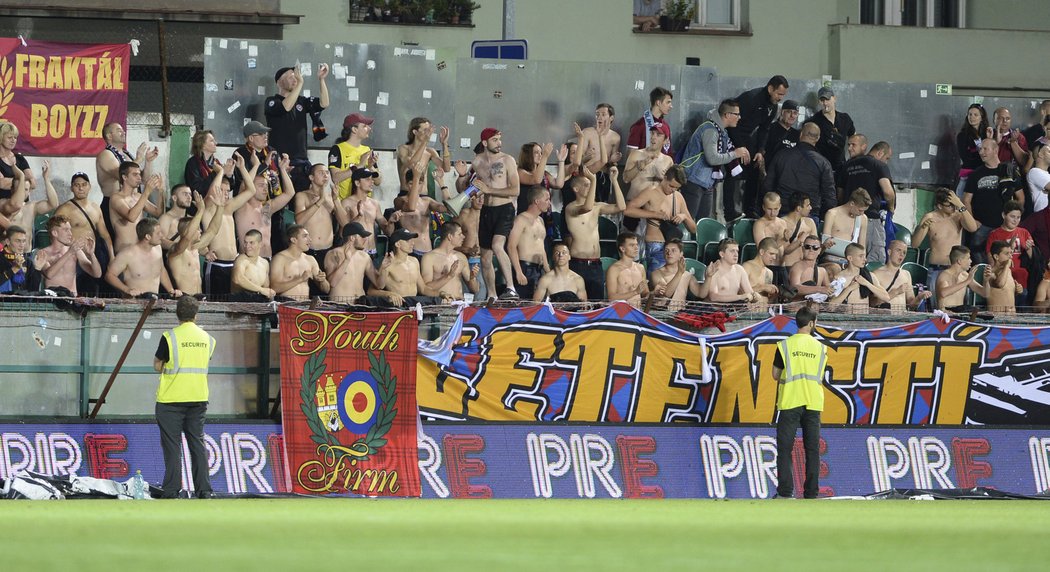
<point>348,156</point>
<point>800,381</point>
<point>185,375</point>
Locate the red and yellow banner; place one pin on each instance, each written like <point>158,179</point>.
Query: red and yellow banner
<point>348,385</point>
<point>61,95</point>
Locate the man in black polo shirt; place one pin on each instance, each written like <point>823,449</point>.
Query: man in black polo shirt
<point>871,173</point>
<point>286,115</point>
<point>836,127</point>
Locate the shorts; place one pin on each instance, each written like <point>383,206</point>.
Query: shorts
<point>654,256</point>
<point>218,276</point>
<point>590,269</point>
<point>533,272</point>
<point>494,220</point>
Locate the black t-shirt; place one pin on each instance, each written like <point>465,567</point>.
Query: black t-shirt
<point>864,172</point>
<point>840,132</point>
<point>289,127</point>
<point>9,173</point>
<point>991,188</point>
<point>780,138</point>
<point>162,350</point>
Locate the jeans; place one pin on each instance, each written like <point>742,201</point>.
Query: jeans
<point>654,256</point>
<point>787,424</point>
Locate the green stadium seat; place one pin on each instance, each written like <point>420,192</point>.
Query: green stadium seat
<point>903,233</point>
<point>742,230</point>
<point>748,251</point>
<point>709,230</point>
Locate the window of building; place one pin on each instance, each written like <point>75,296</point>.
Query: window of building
<point>921,13</point>
<point>700,15</point>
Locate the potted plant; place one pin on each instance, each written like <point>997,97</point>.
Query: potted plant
<point>466,10</point>
<point>360,10</point>
<point>676,15</point>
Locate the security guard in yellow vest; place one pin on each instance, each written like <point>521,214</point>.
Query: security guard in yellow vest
<point>182,398</point>
<point>799,371</point>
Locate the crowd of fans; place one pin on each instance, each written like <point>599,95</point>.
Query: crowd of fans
<point>815,202</point>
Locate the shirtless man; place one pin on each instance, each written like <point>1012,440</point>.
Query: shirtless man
<point>760,272</point>
<point>943,226</point>
<point>184,258</point>
<point>659,203</point>
<point>468,219</point>
<point>646,167</point>
<point>625,278</point>
<point>497,180</point>
<point>673,282</point>
<point>525,244</point>
<point>955,279</point>
<point>402,277</point>
<point>222,251</point>
<point>847,221</point>
<point>21,211</point>
<point>293,268</point>
<point>415,207</point>
<point>440,262</point>
<point>168,223</point>
<point>581,218</point>
<point>107,165</point>
<point>138,270</point>
<point>599,148</point>
<point>730,283</point>
<point>859,286</point>
<point>127,205</point>
<point>348,265</point>
<point>999,282</point>
<point>365,210</point>
<point>257,212</point>
<point>769,225</point>
<point>797,226</point>
<point>561,284</point>
<point>60,262</point>
<point>806,276</point>
<point>251,272</point>
<point>416,154</point>
<point>314,208</point>
<point>898,281</point>
<point>85,216</point>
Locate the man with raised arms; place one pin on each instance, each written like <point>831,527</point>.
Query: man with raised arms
<point>127,205</point>
<point>581,218</point>
<point>184,258</point>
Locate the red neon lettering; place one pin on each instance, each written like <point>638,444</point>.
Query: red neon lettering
<point>967,468</point>
<point>100,465</point>
<point>462,468</point>
<point>635,467</point>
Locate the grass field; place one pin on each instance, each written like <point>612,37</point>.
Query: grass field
<point>548,535</point>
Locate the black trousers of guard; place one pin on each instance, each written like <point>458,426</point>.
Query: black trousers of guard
<point>175,419</point>
<point>787,425</point>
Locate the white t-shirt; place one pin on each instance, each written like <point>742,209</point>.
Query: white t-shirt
<point>1037,181</point>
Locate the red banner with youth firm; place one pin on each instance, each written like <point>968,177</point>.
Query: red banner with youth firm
<point>348,386</point>
<point>61,95</point>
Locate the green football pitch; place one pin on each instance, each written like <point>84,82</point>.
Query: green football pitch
<point>548,535</point>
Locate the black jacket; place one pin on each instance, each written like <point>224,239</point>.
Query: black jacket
<point>757,113</point>
<point>802,169</point>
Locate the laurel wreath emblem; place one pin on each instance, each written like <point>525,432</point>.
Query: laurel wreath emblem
<point>375,438</point>
<point>7,85</point>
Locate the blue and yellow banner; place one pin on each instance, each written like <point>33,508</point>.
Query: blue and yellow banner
<point>619,365</point>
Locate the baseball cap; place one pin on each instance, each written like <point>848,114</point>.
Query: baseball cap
<point>79,175</point>
<point>280,72</point>
<point>353,229</point>
<point>401,234</point>
<point>825,93</point>
<point>255,128</point>
<point>362,173</point>
<point>488,133</point>
<point>790,104</point>
<point>355,118</point>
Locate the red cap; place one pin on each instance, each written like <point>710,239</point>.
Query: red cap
<point>488,133</point>
<point>355,118</point>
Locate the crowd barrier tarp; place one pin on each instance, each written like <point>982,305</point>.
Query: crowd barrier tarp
<point>508,460</point>
<point>618,364</point>
<point>61,95</point>
<point>349,409</point>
